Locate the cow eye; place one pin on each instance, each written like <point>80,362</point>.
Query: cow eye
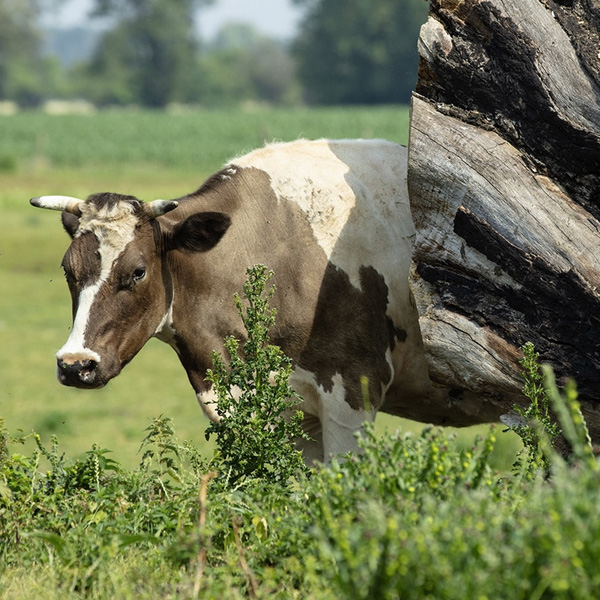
<point>139,274</point>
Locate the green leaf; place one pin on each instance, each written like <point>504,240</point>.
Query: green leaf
<point>58,544</point>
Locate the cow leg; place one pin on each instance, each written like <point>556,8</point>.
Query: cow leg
<point>208,403</point>
<point>312,450</point>
<point>334,433</point>
<point>328,418</point>
<point>340,425</point>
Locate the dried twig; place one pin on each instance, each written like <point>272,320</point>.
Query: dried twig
<point>250,581</point>
<point>201,560</point>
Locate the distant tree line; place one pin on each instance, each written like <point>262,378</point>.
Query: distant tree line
<point>346,52</point>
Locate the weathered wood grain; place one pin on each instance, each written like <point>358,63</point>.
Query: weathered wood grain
<point>504,180</point>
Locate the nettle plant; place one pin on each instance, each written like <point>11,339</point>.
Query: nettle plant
<point>548,410</point>
<point>259,423</point>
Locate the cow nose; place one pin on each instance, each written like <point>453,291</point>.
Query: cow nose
<point>77,371</point>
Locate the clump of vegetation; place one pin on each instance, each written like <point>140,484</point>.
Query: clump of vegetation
<point>568,411</point>
<point>410,516</point>
<point>258,422</point>
<point>538,430</point>
<point>536,392</point>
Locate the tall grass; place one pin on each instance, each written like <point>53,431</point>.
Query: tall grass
<point>408,517</point>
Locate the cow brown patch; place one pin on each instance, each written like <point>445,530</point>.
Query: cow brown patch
<point>351,334</point>
<point>264,229</point>
<point>400,334</point>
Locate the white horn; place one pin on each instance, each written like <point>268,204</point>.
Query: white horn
<point>67,203</point>
<point>156,208</point>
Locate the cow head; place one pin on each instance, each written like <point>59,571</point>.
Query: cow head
<point>117,271</point>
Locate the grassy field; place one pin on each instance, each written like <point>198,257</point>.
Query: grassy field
<point>412,516</point>
<point>150,155</point>
<point>110,143</point>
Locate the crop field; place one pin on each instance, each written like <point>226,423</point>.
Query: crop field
<point>117,494</point>
<point>197,142</point>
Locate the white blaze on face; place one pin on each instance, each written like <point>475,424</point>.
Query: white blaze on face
<point>114,228</point>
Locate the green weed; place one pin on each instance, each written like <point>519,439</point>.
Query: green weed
<point>411,516</point>
<point>541,432</point>
<point>539,429</point>
<point>571,418</point>
<point>258,422</point>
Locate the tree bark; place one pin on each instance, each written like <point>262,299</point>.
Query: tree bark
<point>504,181</point>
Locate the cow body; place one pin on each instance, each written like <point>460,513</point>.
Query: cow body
<point>330,218</point>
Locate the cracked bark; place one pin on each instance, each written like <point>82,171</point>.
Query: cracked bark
<point>504,181</point>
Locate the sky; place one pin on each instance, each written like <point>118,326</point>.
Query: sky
<point>276,18</point>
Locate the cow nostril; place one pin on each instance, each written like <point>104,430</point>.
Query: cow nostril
<point>83,370</point>
<point>88,366</point>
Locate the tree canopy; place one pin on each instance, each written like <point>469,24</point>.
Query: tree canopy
<point>359,51</point>
<point>146,57</point>
<point>22,69</point>
<point>149,53</point>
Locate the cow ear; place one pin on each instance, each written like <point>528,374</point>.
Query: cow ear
<point>70,222</point>
<point>200,232</point>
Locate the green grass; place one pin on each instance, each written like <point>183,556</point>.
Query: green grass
<point>150,155</point>
<point>423,514</point>
<point>409,517</point>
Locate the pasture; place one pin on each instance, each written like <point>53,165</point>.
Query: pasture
<point>149,155</point>
<point>419,514</point>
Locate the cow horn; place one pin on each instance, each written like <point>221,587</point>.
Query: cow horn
<point>67,203</point>
<point>156,208</point>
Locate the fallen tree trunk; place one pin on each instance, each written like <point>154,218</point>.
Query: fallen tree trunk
<point>504,181</point>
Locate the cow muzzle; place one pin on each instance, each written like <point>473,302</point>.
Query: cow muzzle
<point>78,371</point>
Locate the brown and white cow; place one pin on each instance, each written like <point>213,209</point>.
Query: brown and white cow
<point>331,218</point>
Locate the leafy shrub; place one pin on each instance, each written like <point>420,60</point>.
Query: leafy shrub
<point>79,514</point>
<point>411,518</point>
<point>254,438</point>
<point>540,431</point>
<point>538,542</point>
